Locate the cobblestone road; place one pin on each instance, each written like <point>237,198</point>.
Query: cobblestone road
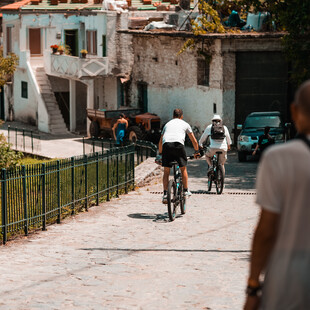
<point>125,254</point>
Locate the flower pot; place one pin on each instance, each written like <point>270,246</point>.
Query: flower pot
<point>61,52</point>
<point>54,50</point>
<point>83,55</point>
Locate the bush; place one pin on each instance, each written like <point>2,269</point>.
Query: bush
<point>8,157</point>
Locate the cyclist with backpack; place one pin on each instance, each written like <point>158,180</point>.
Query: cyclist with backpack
<point>219,141</point>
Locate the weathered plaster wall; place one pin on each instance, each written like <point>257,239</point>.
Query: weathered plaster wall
<point>110,93</point>
<point>25,109</point>
<point>172,79</point>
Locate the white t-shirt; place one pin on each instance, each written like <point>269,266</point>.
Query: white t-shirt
<point>216,144</point>
<point>175,131</point>
<point>283,187</point>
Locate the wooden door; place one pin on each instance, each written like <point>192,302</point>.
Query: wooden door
<point>35,41</point>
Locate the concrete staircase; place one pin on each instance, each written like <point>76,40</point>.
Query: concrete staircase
<point>57,124</point>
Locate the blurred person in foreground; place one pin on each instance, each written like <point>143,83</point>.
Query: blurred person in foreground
<point>281,244</point>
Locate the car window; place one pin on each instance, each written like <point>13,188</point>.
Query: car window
<point>262,121</point>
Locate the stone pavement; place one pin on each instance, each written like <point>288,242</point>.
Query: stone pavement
<point>125,254</point>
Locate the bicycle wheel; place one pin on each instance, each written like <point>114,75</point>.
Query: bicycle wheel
<point>209,182</point>
<point>219,182</point>
<point>171,197</point>
<point>182,200</point>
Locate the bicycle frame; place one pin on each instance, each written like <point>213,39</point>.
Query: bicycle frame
<point>217,175</point>
<point>175,193</point>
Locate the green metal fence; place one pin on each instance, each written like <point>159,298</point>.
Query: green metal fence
<point>144,149</point>
<point>33,196</point>
<point>24,140</point>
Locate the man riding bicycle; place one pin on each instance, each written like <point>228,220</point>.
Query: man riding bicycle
<point>171,147</point>
<point>219,141</point>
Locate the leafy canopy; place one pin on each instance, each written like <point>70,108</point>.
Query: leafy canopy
<point>291,16</point>
<point>7,66</point>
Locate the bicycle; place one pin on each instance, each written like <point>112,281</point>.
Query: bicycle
<point>175,193</point>
<point>217,174</point>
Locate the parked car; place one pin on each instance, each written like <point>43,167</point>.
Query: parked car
<point>253,128</point>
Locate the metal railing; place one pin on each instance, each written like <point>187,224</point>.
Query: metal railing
<point>24,140</point>
<point>144,149</point>
<point>33,196</point>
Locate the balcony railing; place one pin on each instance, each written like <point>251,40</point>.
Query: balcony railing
<point>75,67</point>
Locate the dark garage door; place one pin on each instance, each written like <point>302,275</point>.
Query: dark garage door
<point>261,84</point>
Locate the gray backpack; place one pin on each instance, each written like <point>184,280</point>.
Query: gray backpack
<point>217,131</point>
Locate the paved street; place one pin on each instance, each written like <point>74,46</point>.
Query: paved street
<point>125,254</point>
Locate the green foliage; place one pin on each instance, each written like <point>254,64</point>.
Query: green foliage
<point>8,157</point>
<point>7,66</point>
<point>291,16</point>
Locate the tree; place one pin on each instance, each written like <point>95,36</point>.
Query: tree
<point>291,16</point>
<point>7,66</point>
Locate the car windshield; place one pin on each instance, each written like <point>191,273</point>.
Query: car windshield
<point>262,121</point>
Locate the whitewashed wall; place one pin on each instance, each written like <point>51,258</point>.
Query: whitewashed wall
<point>172,79</point>
<point>25,109</point>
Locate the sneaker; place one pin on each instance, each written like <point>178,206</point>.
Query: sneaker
<point>188,193</point>
<point>165,199</point>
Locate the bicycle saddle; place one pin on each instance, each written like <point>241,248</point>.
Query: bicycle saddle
<point>219,152</point>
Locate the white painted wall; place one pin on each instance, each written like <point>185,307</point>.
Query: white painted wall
<point>25,109</point>
<point>172,80</point>
<point>110,91</point>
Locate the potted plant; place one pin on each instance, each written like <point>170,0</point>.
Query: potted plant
<point>54,48</point>
<point>61,49</point>
<point>83,53</point>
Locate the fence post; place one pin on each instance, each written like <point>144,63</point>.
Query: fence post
<point>58,192</point>
<point>72,185</point>
<point>25,200</point>
<point>133,168</point>
<point>86,184</point>
<point>31,133</point>
<point>83,145</point>
<point>126,163</point>
<point>9,128</point>
<point>108,177</point>
<point>24,139</point>
<point>97,177</point>
<point>4,206</point>
<point>93,145</point>
<point>43,199</point>
<point>117,172</point>
<point>16,138</point>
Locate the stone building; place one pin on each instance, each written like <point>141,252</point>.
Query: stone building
<point>246,72</point>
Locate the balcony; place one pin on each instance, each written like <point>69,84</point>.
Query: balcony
<point>75,67</point>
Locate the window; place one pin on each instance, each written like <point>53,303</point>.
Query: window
<point>91,36</point>
<point>8,40</point>
<point>203,71</point>
<point>24,90</point>
<point>104,46</point>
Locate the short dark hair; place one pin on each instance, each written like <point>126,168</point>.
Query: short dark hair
<point>177,113</point>
<point>302,97</point>
<point>266,129</point>
<point>122,115</point>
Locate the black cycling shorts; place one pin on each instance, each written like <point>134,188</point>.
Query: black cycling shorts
<point>173,151</point>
